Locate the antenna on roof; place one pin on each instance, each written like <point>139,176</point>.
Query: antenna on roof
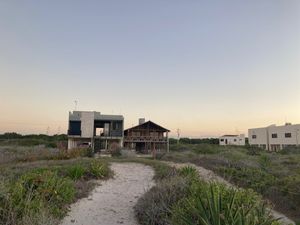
<point>76,102</point>
<point>48,131</point>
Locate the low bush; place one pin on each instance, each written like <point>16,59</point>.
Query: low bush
<point>254,178</point>
<point>76,172</point>
<point>39,193</point>
<point>98,169</point>
<point>154,207</point>
<point>252,150</point>
<point>71,154</point>
<point>115,150</point>
<point>51,145</point>
<point>265,162</point>
<point>163,171</point>
<point>290,150</point>
<point>275,175</point>
<point>206,149</point>
<point>216,204</point>
<point>35,193</point>
<point>189,172</point>
<point>290,186</point>
<point>184,199</point>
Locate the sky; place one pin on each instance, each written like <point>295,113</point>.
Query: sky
<point>207,68</point>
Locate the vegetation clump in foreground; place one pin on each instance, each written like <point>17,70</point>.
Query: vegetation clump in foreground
<point>42,195</point>
<point>185,199</point>
<point>274,175</point>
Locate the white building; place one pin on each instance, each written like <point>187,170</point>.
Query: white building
<point>232,140</point>
<point>274,138</point>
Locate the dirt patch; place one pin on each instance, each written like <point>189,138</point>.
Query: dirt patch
<point>112,202</point>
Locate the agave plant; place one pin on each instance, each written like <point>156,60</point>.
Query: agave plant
<point>216,204</point>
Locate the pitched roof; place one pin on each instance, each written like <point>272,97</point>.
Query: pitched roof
<point>230,135</point>
<point>149,123</point>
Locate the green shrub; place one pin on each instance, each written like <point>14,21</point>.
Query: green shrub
<point>154,207</point>
<point>99,169</point>
<point>189,171</point>
<point>75,153</point>
<point>254,178</point>
<point>216,204</point>
<point>34,193</point>
<point>206,149</point>
<point>76,172</point>
<point>163,171</point>
<point>51,145</point>
<point>70,154</point>
<point>90,152</point>
<point>290,150</point>
<point>252,150</point>
<point>290,186</point>
<point>265,162</point>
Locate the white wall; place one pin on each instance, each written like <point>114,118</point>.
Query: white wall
<point>261,139</point>
<point>264,136</point>
<point>232,140</point>
<point>281,131</point>
<point>87,124</point>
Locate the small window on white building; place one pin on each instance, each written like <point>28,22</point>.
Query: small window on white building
<point>222,140</point>
<point>234,140</point>
<point>288,135</point>
<point>253,136</point>
<point>274,135</point>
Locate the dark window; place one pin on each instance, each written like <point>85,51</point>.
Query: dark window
<point>274,135</point>
<point>254,136</point>
<point>222,140</point>
<point>74,128</point>
<point>234,140</point>
<point>288,135</point>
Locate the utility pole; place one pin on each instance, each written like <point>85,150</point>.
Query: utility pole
<point>297,133</point>
<point>48,130</point>
<point>178,136</point>
<point>76,102</point>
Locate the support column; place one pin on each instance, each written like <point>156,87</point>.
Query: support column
<point>93,143</point>
<point>168,144</point>
<point>106,144</point>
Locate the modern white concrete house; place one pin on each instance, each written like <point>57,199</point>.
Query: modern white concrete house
<point>232,140</point>
<point>93,129</point>
<point>274,138</point>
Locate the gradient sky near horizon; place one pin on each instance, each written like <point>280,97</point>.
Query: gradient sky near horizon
<point>206,67</point>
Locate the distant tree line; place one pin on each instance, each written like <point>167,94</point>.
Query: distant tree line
<point>195,141</point>
<point>14,135</point>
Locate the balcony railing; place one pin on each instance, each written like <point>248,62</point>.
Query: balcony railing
<point>144,138</point>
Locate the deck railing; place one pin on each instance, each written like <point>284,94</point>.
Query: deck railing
<point>144,138</point>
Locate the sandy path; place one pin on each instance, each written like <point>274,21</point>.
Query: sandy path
<point>112,203</point>
<point>209,175</point>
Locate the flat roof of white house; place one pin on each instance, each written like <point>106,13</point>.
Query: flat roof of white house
<point>230,135</point>
<point>76,115</point>
<point>274,125</point>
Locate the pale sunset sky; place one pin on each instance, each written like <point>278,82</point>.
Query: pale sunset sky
<point>206,67</point>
